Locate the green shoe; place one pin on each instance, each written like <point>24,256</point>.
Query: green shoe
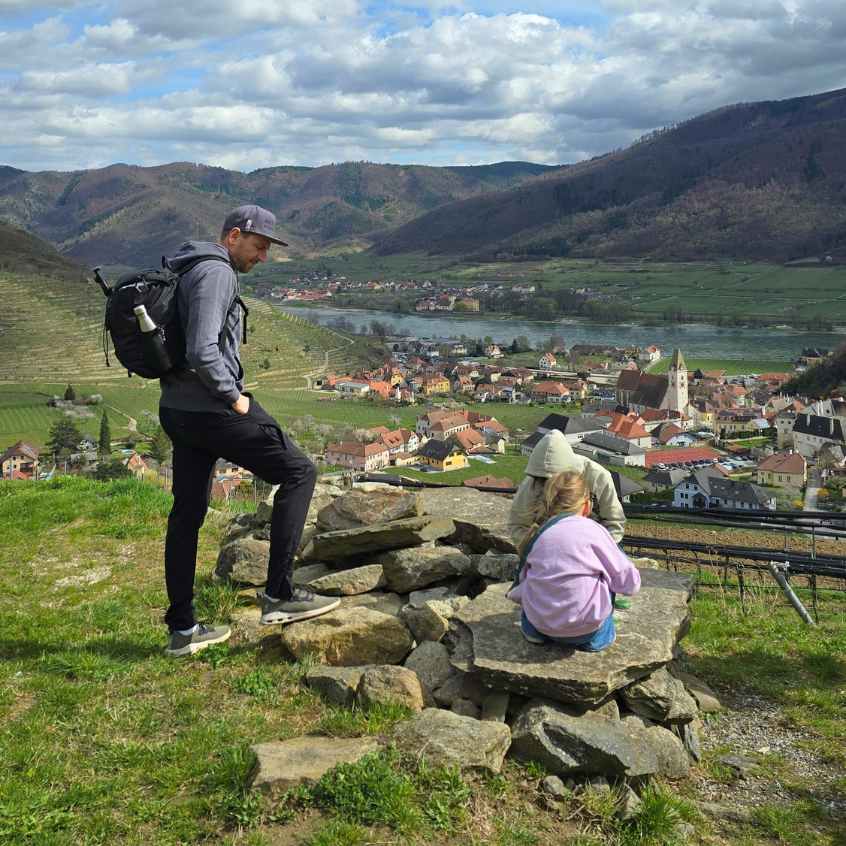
<point>621,603</point>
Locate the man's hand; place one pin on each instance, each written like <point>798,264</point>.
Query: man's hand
<point>241,405</point>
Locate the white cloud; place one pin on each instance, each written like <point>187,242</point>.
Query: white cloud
<point>264,82</point>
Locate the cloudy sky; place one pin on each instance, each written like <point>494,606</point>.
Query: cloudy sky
<point>252,83</point>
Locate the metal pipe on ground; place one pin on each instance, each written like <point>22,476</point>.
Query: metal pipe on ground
<point>779,572</point>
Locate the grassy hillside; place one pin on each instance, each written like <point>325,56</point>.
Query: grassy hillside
<point>756,180</point>
<point>22,252</point>
<point>104,740</point>
<point>127,215</point>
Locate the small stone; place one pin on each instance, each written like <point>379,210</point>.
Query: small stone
<point>425,623</point>
<point>501,567</point>
<point>689,735</point>
<point>246,627</point>
<point>388,684</point>
<point>741,765</point>
<point>282,765</point>
<point>418,598</point>
<point>447,739</point>
<point>660,697</point>
<point>599,784</point>
<point>495,706</point>
<point>430,661</point>
<point>466,708</point>
<point>460,686</point>
<point>337,685</point>
<point>553,786</point>
<point>705,698</point>
<point>244,561</point>
<point>349,582</point>
<point>629,803</point>
<point>719,811</point>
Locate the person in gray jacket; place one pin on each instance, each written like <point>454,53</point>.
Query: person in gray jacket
<point>207,415</point>
<point>552,455</point>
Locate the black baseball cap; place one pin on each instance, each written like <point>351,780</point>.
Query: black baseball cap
<point>253,219</point>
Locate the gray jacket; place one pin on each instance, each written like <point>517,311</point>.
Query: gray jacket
<point>211,321</point>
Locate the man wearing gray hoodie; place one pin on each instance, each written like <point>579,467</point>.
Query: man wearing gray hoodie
<point>552,455</point>
<point>207,416</point>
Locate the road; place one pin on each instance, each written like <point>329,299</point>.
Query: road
<point>812,491</point>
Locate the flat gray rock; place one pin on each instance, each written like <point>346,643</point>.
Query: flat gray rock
<point>303,760</point>
<point>346,543</point>
<point>488,641</point>
<point>587,744</point>
<point>481,519</point>
<point>349,637</point>
<point>425,623</point>
<point>244,561</point>
<point>361,508</point>
<point>411,569</point>
<point>706,699</point>
<point>501,566</point>
<point>349,582</point>
<point>447,739</point>
<point>309,572</point>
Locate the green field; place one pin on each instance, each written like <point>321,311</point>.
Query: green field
<point>732,366</point>
<point>714,290</point>
<point>511,466</point>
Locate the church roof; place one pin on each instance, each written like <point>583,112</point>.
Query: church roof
<point>678,360</point>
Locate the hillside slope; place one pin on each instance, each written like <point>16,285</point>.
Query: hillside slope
<point>21,251</point>
<point>762,180</point>
<point>130,215</point>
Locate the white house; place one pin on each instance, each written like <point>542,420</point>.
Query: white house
<point>352,388</point>
<point>709,489</point>
<point>547,361</point>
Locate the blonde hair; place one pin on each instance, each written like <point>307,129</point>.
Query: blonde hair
<point>564,492</point>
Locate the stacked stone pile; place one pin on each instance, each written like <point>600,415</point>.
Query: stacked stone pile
<point>425,622</point>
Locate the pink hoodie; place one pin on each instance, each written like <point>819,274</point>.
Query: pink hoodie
<point>565,586</point>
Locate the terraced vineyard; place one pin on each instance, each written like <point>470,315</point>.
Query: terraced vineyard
<point>51,336</point>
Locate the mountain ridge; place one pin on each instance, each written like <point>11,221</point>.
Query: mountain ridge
<point>750,180</point>
<point>128,214</point>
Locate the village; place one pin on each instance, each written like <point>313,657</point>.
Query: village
<point>685,438</point>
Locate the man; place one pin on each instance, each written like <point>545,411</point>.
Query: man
<point>207,416</point>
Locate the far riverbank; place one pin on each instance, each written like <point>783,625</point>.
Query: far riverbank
<point>702,339</point>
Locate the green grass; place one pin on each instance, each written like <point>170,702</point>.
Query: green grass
<point>505,467</point>
<point>732,367</point>
<point>104,740</point>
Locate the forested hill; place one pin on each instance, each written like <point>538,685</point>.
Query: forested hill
<point>130,215</point>
<point>758,180</point>
<point>21,252</point>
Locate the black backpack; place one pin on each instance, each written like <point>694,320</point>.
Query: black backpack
<point>149,354</point>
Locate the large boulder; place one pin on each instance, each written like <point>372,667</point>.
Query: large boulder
<point>359,508</point>
<point>587,744</point>
<point>348,637</point>
<point>281,765</point>
<point>411,569</point>
<point>348,543</point>
<point>481,519</point>
<point>487,640</point>
<point>349,582</point>
<point>669,749</point>
<point>447,739</point>
<point>388,684</point>
<point>244,561</point>
<point>660,697</point>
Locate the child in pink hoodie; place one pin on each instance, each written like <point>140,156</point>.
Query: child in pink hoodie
<point>571,570</point>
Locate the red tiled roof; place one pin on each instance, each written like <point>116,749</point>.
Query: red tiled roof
<point>357,449</point>
<point>783,462</point>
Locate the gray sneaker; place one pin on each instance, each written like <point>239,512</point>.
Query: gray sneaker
<point>303,605</point>
<point>202,637</point>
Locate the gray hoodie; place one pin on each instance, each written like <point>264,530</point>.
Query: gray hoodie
<point>553,454</point>
<point>212,323</point>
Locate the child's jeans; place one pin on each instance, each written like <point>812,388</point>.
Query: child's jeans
<point>594,641</point>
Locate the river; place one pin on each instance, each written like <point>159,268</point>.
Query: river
<point>696,340</point>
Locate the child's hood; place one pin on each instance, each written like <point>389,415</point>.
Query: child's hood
<point>552,455</point>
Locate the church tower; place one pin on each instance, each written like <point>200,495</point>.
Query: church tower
<point>677,396</point>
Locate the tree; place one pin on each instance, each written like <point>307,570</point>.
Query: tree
<point>105,441</point>
<point>112,468</point>
<point>70,393</point>
<point>64,437</point>
<point>160,446</point>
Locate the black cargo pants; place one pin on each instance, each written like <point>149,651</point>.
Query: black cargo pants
<point>255,442</point>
